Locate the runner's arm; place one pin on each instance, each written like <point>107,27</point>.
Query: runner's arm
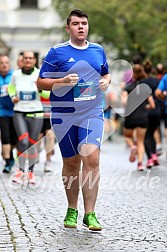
<point>49,84</point>
<point>160,94</point>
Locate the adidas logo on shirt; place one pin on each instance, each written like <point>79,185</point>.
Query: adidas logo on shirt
<point>71,60</point>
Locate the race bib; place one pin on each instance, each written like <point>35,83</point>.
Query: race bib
<point>3,90</point>
<point>27,95</point>
<point>84,91</point>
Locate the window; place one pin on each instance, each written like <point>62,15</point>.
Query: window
<point>28,3</point>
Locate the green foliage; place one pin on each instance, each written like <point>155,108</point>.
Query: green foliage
<point>130,26</point>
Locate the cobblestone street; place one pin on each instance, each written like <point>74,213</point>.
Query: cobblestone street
<point>131,207</point>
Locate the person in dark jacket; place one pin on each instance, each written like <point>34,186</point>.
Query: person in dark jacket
<point>8,135</point>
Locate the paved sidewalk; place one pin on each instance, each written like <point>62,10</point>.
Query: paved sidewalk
<point>131,206</point>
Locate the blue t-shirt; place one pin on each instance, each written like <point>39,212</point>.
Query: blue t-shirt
<point>89,62</point>
<point>6,105</point>
<point>163,87</point>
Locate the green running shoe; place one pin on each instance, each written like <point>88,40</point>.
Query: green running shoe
<point>91,222</point>
<point>70,220</point>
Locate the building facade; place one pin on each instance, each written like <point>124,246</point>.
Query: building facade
<point>28,25</point>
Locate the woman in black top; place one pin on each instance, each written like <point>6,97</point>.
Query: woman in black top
<point>138,101</point>
<point>153,117</point>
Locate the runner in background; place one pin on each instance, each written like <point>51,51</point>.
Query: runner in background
<point>28,115</point>
<point>160,71</point>
<point>153,117</point>
<point>8,134</point>
<point>161,93</point>
<point>20,61</point>
<point>136,119</point>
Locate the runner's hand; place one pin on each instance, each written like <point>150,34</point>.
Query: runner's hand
<point>71,79</point>
<point>103,84</point>
<point>165,93</point>
<point>15,99</point>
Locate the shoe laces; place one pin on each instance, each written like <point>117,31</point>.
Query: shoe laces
<point>71,215</point>
<point>92,218</point>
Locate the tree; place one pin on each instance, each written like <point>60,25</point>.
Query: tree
<point>131,26</point>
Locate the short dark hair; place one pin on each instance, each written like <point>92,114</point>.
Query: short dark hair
<point>147,64</point>
<point>77,13</point>
<point>137,59</point>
